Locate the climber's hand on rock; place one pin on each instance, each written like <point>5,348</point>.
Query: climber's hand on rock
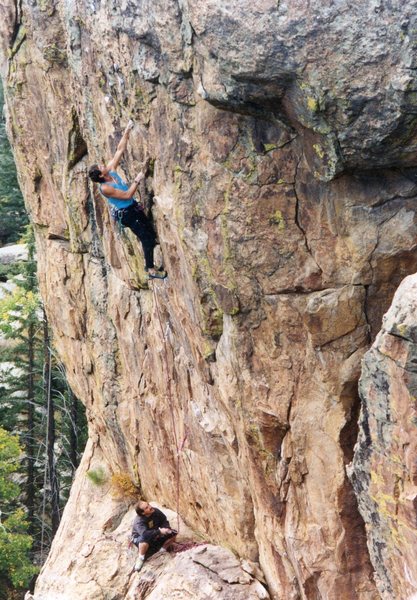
<point>164,530</point>
<point>139,177</point>
<point>129,127</point>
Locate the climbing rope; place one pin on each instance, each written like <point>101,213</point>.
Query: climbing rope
<point>178,446</point>
<point>184,546</point>
<point>46,466</point>
<point>179,546</point>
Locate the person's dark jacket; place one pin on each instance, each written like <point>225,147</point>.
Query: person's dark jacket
<point>146,529</point>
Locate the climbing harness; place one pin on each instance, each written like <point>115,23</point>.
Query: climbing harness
<point>117,215</point>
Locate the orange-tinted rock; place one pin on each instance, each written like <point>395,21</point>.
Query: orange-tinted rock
<point>248,355</point>
<point>384,467</point>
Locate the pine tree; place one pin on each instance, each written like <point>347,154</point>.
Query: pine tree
<point>20,323</point>
<point>16,569</point>
<point>36,403</point>
<point>50,431</point>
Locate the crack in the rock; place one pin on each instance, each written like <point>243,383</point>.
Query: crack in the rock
<point>337,338</point>
<point>378,236</point>
<point>17,22</point>
<point>396,362</point>
<point>297,216</point>
<point>185,23</point>
<point>383,201</point>
<point>294,291</point>
<point>304,292</point>
<point>365,311</point>
<point>212,570</point>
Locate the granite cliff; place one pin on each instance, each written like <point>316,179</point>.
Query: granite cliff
<point>283,193</point>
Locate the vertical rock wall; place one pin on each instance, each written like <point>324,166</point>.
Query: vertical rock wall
<point>384,468</point>
<point>279,272</point>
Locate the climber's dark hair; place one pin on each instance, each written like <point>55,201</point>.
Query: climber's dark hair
<point>139,509</point>
<point>94,174</point>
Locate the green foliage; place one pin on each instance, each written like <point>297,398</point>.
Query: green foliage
<point>97,476</point>
<point>16,569</point>
<point>9,463</point>
<point>23,406</point>
<point>12,209</point>
<point>15,545</point>
<point>9,271</point>
<point>19,310</point>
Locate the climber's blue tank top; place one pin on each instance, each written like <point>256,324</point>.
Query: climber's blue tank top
<point>118,184</point>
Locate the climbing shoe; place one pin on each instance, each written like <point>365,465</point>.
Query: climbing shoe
<point>139,564</point>
<point>157,275</point>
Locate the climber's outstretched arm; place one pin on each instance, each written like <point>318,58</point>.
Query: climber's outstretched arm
<point>113,164</point>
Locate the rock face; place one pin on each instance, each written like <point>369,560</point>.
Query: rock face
<point>247,358</point>
<point>199,573</point>
<point>384,470</point>
<point>101,564</point>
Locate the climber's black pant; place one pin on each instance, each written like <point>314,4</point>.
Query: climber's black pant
<point>155,544</point>
<point>134,218</point>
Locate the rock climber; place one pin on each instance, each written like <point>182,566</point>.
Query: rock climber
<point>127,211</point>
<point>151,532</point>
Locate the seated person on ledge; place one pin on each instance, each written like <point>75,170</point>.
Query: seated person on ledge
<point>120,196</point>
<point>151,532</point>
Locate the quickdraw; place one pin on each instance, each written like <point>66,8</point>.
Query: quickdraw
<point>117,215</point>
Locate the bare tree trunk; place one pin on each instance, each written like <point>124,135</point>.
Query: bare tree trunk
<point>53,476</point>
<point>30,440</point>
<point>73,432</point>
